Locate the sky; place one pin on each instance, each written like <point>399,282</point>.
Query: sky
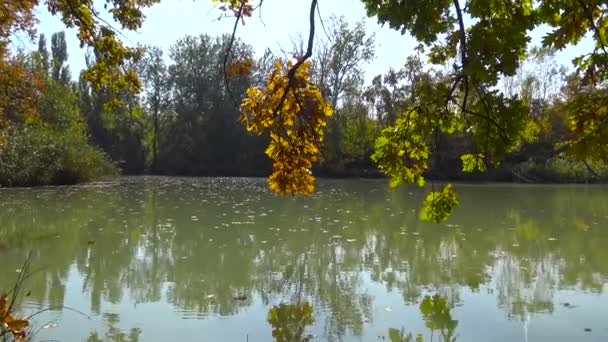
<point>280,21</point>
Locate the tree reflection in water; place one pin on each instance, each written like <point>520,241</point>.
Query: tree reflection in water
<point>435,311</point>
<point>196,244</point>
<point>114,333</point>
<point>289,322</point>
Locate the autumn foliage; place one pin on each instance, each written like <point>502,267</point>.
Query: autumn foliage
<point>8,323</point>
<point>294,113</point>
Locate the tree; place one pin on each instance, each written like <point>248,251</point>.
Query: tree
<point>337,71</point>
<point>119,130</point>
<point>60,72</point>
<point>339,61</point>
<point>155,75</point>
<point>392,93</point>
<point>492,46</point>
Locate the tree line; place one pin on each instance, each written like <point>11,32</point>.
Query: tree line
<point>186,122</point>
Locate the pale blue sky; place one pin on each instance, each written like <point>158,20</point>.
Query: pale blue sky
<point>172,19</point>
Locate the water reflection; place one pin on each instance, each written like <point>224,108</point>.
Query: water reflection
<point>114,333</point>
<point>436,313</point>
<point>289,322</point>
<point>224,247</point>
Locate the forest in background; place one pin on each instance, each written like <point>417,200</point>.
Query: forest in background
<point>186,122</point>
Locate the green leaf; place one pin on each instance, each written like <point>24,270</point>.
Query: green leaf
<point>471,162</point>
<point>438,206</point>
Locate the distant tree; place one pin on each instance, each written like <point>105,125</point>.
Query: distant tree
<point>155,75</point>
<point>60,71</point>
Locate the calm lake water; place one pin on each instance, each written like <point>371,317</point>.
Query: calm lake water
<point>196,259</point>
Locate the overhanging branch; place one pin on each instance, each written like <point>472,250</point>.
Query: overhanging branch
<point>463,53</point>
<point>292,72</point>
<point>239,14</point>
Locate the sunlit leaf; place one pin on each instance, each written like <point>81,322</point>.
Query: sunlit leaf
<point>438,206</point>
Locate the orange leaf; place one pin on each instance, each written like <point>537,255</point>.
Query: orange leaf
<point>15,325</point>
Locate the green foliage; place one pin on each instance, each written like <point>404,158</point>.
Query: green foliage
<point>43,156</point>
<point>359,134</point>
<point>587,120</point>
<point>338,72</point>
<point>289,321</point>
<point>395,335</point>
<point>472,162</point>
<point>50,146</point>
<point>199,132</point>
<point>401,151</point>
<point>438,205</point>
<point>491,48</point>
<point>436,313</point>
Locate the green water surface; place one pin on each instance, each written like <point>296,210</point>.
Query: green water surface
<point>198,259</point>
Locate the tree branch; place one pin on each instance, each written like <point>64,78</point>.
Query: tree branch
<point>593,26</point>
<point>463,53</point>
<point>292,72</point>
<point>493,122</point>
<point>227,55</point>
<point>590,169</point>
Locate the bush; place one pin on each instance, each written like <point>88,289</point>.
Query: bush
<point>42,155</point>
<point>564,168</point>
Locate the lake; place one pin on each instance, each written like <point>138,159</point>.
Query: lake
<point>224,259</point>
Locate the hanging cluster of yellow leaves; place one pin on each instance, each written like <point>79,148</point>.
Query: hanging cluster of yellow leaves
<point>294,112</point>
<point>8,323</point>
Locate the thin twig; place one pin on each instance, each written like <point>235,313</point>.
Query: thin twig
<point>590,169</point>
<point>58,308</point>
<point>493,122</point>
<point>322,23</point>
<point>292,72</point>
<point>227,55</point>
<point>463,53</point>
<point>259,7</point>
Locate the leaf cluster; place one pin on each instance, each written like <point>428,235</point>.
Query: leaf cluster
<point>293,111</point>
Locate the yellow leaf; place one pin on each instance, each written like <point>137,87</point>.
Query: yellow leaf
<point>15,325</point>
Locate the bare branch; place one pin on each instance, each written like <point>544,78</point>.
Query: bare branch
<point>322,23</point>
<point>259,6</point>
<point>227,55</point>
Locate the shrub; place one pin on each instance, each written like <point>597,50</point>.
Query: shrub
<point>42,155</point>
